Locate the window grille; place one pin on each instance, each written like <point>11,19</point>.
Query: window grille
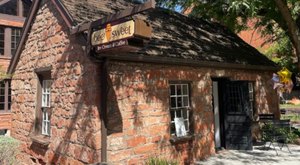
<point>179,108</point>
<point>15,37</point>
<point>46,91</point>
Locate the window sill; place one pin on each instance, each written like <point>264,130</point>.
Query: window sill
<point>41,140</point>
<point>176,140</point>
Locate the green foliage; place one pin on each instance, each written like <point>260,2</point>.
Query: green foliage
<point>282,53</point>
<point>158,161</point>
<point>8,150</point>
<point>236,13</point>
<point>270,132</point>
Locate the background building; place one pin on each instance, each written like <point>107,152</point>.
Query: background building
<point>12,17</point>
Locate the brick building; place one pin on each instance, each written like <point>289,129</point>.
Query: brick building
<point>12,17</point>
<point>193,88</point>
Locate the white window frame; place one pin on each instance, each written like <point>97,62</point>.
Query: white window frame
<point>46,100</point>
<point>181,108</point>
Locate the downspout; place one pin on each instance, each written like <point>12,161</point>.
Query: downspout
<point>103,110</point>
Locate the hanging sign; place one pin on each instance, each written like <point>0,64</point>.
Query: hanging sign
<point>117,35</point>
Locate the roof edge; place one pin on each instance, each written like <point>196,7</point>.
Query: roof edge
<point>64,13</point>
<point>187,62</point>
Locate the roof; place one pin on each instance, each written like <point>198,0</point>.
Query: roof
<point>175,36</point>
<point>178,36</point>
<point>87,11</point>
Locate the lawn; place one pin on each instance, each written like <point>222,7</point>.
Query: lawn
<point>290,106</point>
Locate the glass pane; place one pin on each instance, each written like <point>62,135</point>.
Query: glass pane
<point>172,115</point>
<point>186,125</point>
<point>173,102</point>
<point>179,90</point>
<point>185,101</point>
<point>172,128</point>
<point>178,113</point>
<point>185,114</point>
<point>179,102</point>
<point>2,91</point>
<point>185,89</point>
<point>2,98</point>
<point>1,106</point>
<point>172,89</point>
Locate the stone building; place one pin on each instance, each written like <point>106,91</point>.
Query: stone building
<point>12,17</point>
<point>192,88</point>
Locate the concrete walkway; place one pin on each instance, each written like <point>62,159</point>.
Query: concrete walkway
<point>259,156</point>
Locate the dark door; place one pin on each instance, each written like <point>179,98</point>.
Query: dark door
<point>237,115</point>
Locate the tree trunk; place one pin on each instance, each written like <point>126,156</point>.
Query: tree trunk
<point>293,29</point>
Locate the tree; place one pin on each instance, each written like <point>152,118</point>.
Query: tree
<point>278,19</point>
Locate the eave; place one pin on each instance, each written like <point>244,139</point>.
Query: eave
<point>11,20</point>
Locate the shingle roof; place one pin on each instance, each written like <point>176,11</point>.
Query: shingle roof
<point>175,35</point>
<point>90,10</point>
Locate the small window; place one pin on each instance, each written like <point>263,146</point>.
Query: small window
<point>46,87</point>
<point>43,110</point>
<point>1,40</point>
<point>15,37</point>
<point>179,109</point>
<point>5,96</point>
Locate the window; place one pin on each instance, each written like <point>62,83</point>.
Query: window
<point>5,96</point>
<point>179,109</point>
<point>15,37</point>
<point>45,107</point>
<point>1,40</point>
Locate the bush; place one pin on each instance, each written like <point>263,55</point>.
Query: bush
<point>158,161</point>
<point>269,133</point>
<point>8,150</point>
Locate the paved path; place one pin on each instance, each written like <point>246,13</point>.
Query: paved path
<point>259,156</point>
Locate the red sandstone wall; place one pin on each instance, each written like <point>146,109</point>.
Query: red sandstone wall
<point>75,124</point>
<point>138,103</point>
<point>139,110</point>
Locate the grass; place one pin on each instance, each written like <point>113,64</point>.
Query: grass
<point>294,117</point>
<point>289,106</point>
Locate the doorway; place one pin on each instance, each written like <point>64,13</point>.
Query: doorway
<point>232,114</point>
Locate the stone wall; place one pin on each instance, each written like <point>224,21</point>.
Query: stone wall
<point>139,110</point>
<point>138,106</point>
<point>75,124</point>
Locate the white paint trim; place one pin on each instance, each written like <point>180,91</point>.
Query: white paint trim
<point>216,115</point>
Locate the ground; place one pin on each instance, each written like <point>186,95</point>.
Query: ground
<point>259,156</point>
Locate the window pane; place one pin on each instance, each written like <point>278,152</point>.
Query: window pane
<point>172,88</point>
<point>186,125</point>
<point>172,115</point>
<point>172,128</point>
<point>178,113</point>
<point>185,101</point>
<point>1,106</point>
<point>2,98</point>
<point>173,102</point>
<point>185,89</point>
<point>179,102</point>
<point>179,90</point>
<point>185,114</point>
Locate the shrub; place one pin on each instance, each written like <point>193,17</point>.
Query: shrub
<point>270,132</point>
<point>8,150</point>
<point>158,161</point>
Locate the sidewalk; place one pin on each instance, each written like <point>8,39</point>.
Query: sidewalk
<point>258,156</point>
